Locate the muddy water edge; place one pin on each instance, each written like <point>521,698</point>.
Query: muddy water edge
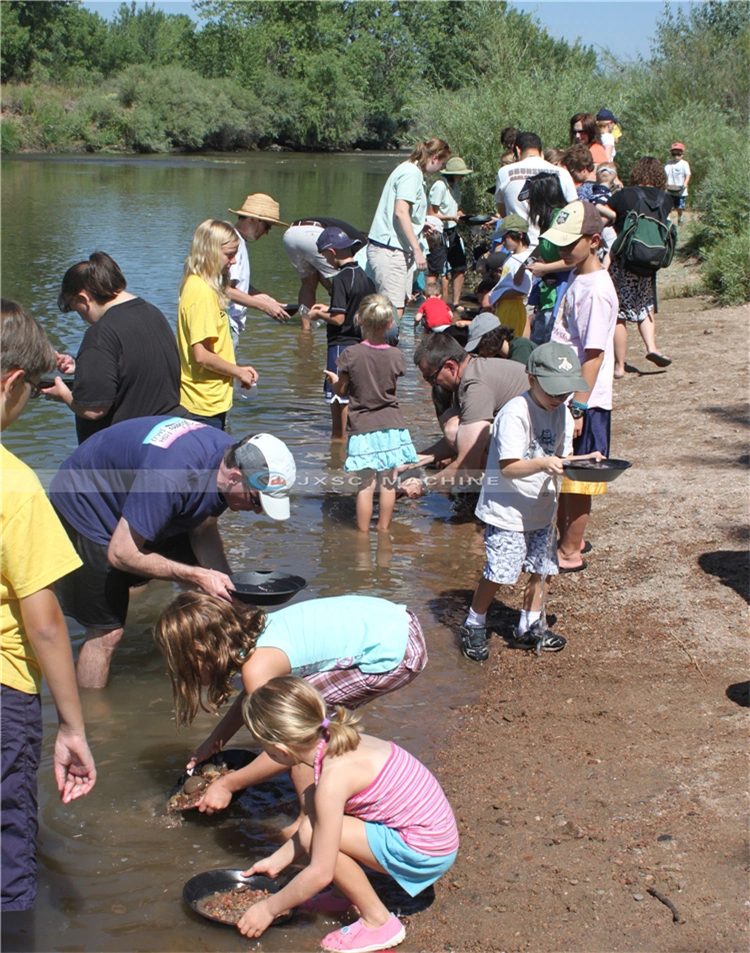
<point>111,866</point>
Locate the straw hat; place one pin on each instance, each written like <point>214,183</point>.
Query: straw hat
<point>456,166</point>
<point>260,206</point>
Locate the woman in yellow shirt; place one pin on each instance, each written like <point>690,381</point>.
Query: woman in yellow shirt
<point>204,338</point>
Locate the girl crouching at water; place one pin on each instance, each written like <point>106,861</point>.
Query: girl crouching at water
<point>379,440</point>
<point>351,648</point>
<point>372,804</point>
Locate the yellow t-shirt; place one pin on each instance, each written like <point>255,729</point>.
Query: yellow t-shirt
<point>199,317</point>
<point>36,551</point>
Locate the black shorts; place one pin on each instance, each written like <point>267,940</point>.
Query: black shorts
<point>456,251</point>
<point>96,595</point>
<point>437,258</point>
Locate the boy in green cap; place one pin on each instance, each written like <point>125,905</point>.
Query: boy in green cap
<point>530,436</point>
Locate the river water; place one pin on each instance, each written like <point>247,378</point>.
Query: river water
<point>111,868</point>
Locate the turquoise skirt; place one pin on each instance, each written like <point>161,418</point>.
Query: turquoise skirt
<point>379,450</point>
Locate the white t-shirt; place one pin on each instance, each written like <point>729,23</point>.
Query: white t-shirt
<point>586,320</point>
<point>609,140</point>
<point>446,198</point>
<point>511,179</point>
<point>406,182</point>
<point>523,431</point>
<point>677,172</point>
<point>507,275</point>
<point>239,276</point>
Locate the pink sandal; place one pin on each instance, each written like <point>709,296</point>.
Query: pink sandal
<point>357,938</point>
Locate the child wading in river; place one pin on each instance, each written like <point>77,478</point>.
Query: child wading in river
<point>372,804</point>
<point>353,649</point>
<point>379,440</point>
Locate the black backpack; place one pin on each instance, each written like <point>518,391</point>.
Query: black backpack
<point>647,240</point>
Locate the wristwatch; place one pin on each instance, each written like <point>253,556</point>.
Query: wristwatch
<point>577,410</point>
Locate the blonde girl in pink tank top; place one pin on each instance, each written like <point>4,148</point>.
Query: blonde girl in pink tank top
<point>369,803</point>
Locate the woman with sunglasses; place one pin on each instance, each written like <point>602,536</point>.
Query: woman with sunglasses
<point>584,130</point>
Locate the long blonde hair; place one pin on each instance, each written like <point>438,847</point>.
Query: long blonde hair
<point>288,711</point>
<point>203,637</point>
<point>204,258</point>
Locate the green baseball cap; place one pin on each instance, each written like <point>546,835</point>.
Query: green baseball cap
<point>557,368</point>
<point>514,223</point>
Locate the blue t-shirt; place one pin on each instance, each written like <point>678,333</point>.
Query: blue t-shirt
<point>340,632</point>
<point>159,473</point>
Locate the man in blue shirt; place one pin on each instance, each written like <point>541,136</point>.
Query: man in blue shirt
<point>142,500</point>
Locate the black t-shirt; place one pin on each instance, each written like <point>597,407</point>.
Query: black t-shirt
<point>631,198</point>
<point>128,360</point>
<point>348,288</point>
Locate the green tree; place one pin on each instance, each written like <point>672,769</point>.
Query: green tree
<point>50,38</point>
<point>703,56</point>
<point>148,35</point>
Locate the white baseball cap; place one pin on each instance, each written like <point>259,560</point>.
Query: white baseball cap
<point>268,467</point>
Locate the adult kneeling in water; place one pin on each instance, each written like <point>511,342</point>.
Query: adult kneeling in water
<point>352,649</point>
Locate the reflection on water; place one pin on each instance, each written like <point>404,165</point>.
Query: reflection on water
<point>111,867</point>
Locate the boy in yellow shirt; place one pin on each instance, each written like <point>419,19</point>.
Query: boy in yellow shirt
<point>34,638</point>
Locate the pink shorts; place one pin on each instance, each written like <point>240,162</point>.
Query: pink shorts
<point>351,687</point>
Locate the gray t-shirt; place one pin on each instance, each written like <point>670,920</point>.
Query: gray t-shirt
<point>488,383</point>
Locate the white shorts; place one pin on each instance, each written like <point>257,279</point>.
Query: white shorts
<point>299,245</point>
<point>393,272</point>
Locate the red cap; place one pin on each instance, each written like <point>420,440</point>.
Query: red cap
<point>677,145</point>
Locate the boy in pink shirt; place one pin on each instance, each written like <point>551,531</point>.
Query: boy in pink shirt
<point>586,322</point>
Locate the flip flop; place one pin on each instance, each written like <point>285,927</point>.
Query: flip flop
<point>587,547</point>
<point>584,565</point>
<point>661,360</point>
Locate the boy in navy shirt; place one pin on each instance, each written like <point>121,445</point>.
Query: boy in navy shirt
<point>348,288</point>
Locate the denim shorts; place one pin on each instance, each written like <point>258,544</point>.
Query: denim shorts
<point>21,753</point>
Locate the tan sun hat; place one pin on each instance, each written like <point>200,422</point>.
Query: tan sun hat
<point>260,206</point>
<point>456,166</point>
